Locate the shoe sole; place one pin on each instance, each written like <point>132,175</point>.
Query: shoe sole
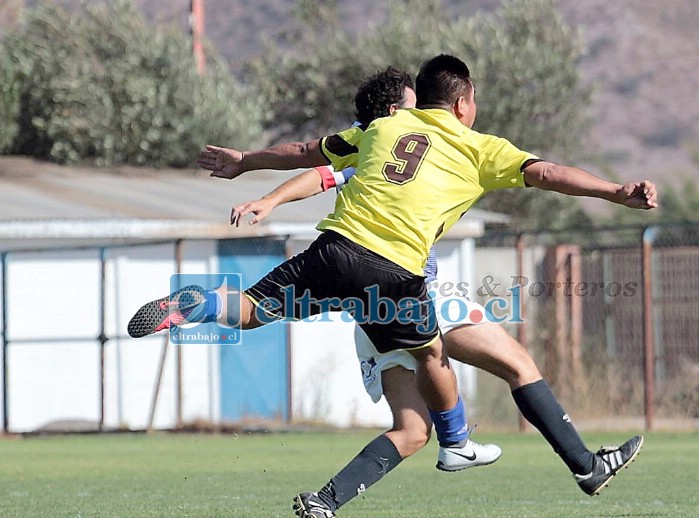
<point>624,466</point>
<point>299,507</point>
<point>441,467</point>
<point>149,317</point>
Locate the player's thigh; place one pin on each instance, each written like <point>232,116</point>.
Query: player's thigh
<point>489,347</point>
<point>373,363</point>
<point>454,310</point>
<point>294,288</point>
<point>396,309</point>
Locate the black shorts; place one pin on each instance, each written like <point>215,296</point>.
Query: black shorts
<point>388,302</point>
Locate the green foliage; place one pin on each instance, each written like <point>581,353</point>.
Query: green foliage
<point>9,103</point>
<point>103,83</point>
<point>679,205</point>
<point>523,58</point>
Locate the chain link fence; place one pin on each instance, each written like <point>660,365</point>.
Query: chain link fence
<point>611,316</point>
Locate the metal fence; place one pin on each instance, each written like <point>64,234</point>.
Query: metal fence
<point>612,316</point>
<point>67,363</point>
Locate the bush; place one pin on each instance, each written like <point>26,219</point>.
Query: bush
<point>9,103</point>
<point>523,57</point>
<point>105,84</point>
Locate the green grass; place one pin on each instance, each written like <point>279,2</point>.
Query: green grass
<point>257,475</point>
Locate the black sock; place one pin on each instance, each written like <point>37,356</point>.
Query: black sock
<point>539,406</point>
<point>376,459</point>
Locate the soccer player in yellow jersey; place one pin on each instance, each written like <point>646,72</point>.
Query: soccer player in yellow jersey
<point>431,147</point>
<point>485,345</point>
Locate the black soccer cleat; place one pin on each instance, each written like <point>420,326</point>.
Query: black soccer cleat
<point>170,311</point>
<point>607,462</point>
<point>309,505</point>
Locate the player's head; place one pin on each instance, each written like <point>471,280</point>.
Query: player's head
<point>383,93</point>
<point>445,82</point>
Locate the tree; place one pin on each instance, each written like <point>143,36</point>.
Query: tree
<point>523,58</point>
<point>103,83</point>
<point>9,103</point>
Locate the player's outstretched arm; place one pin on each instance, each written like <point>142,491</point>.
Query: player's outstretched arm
<point>576,182</point>
<point>300,187</point>
<point>230,163</point>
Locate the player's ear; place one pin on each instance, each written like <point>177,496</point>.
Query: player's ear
<point>392,108</point>
<point>460,107</point>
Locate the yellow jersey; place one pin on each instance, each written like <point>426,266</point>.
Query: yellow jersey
<point>418,172</point>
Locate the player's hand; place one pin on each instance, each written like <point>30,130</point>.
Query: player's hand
<point>260,208</point>
<point>222,162</point>
<point>640,195</point>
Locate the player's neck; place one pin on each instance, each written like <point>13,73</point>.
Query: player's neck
<point>434,106</point>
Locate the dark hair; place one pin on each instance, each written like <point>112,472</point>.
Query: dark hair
<point>378,92</point>
<point>441,81</point>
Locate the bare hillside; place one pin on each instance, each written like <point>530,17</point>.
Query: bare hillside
<point>643,57</point>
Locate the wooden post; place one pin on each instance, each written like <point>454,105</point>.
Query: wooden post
<point>158,381</point>
<point>163,358</point>
<point>178,269</point>
<point>576,317</point>
<point>196,25</point>
<point>562,322</point>
<point>521,329</point>
<point>103,330</point>
<point>5,343</point>
<point>648,338</point>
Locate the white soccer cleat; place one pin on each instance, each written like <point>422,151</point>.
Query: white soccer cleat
<point>467,454</point>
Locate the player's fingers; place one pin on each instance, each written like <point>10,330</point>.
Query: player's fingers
<point>208,155</point>
<point>239,212</point>
<point>209,147</point>
<point>651,194</point>
<point>235,217</point>
<point>206,164</point>
<point>250,209</point>
<point>652,202</point>
<point>259,216</point>
<point>650,191</point>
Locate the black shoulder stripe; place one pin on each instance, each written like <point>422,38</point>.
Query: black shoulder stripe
<point>529,162</point>
<point>339,147</point>
<point>322,152</point>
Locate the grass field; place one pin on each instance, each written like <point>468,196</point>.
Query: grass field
<point>257,475</point>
